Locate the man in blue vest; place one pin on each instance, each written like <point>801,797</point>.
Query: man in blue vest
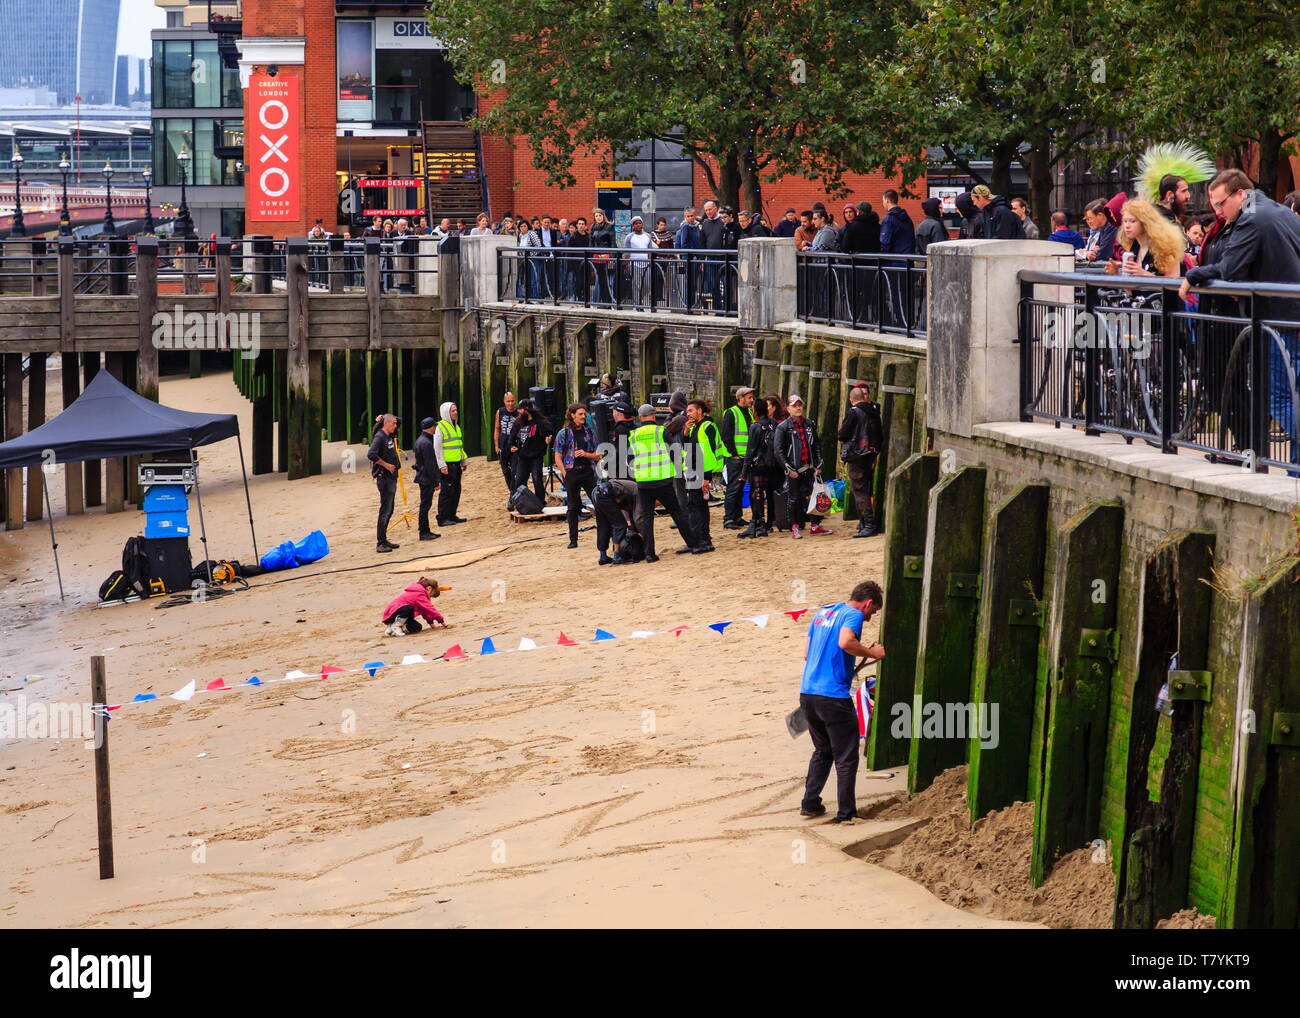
<point>834,640</point>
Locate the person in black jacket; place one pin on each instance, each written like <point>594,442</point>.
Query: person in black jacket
<point>799,455</point>
<point>529,439</point>
<point>427,474</point>
<point>602,235</point>
<point>862,434</point>
<point>760,469</point>
<point>972,225</point>
<point>1000,222</point>
<point>384,464</point>
<point>713,231</point>
<point>861,235</point>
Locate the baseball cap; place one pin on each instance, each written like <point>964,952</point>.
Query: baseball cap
<point>790,210</point>
<point>646,410</point>
<point>794,397</point>
<point>622,408</point>
<point>981,191</point>
<point>428,422</point>
<point>638,219</point>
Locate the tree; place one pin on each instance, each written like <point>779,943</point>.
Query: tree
<point>752,90</point>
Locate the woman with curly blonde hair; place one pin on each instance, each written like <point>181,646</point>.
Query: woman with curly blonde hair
<point>1153,245</point>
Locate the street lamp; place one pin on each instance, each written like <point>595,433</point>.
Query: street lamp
<point>183,222</point>
<point>149,227</point>
<point>19,228</point>
<point>65,217</point>
<point>110,227</point>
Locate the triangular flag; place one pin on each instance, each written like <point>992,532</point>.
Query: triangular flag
<point>415,659</point>
<point>488,647</point>
<point>718,627</point>
<point>564,641</point>
<point>253,681</point>
<point>454,653</point>
<point>115,707</point>
<point>328,670</point>
<point>677,631</point>
<point>217,684</point>
<point>794,615</point>
<point>758,620</point>
<point>141,697</point>
<point>295,674</point>
<point>603,635</point>
<point>186,692</point>
<point>372,667</point>
<point>527,644</point>
<point>641,634</point>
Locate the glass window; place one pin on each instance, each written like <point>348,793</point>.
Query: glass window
<point>206,73</point>
<point>178,91</point>
<point>662,175</point>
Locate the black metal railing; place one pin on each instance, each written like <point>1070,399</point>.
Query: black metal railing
<point>1115,355</point>
<point>885,292</point>
<point>653,280</point>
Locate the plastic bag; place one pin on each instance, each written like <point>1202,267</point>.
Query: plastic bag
<point>311,548</point>
<point>819,502</point>
<point>282,556</point>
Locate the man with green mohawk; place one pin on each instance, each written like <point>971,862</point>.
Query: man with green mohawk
<point>1164,173</point>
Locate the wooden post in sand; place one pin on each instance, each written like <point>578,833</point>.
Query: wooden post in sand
<point>303,411</point>
<point>103,798</point>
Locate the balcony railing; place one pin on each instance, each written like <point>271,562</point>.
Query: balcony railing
<point>1131,358</point>
<point>885,292</point>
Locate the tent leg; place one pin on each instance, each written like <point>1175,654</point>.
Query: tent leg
<point>247,500</point>
<point>54,545</point>
<point>203,529</point>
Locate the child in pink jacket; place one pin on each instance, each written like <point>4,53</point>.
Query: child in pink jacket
<point>416,600</point>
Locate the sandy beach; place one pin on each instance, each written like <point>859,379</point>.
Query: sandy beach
<point>626,783</point>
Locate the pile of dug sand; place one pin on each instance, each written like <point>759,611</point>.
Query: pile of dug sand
<point>985,869</point>
<point>1187,919</point>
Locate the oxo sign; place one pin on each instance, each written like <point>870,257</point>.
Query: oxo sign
<point>273,176</point>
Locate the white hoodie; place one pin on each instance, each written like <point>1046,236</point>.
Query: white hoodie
<point>443,412</point>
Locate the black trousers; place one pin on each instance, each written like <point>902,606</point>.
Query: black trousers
<point>529,466</point>
<point>387,485</point>
<point>798,491</point>
<point>426,503</point>
<point>576,481</point>
<point>405,614</point>
<point>508,469</point>
<point>833,725</point>
<point>663,493</point>
<point>762,498</point>
<point>731,503</point>
<point>449,492</point>
<point>611,524</point>
<point>697,509</point>
<point>860,474</point>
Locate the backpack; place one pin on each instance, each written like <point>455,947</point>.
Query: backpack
<point>135,567</point>
<point>633,548</point>
<point>525,501</point>
<point>114,588</point>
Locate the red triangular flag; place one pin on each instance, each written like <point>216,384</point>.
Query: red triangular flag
<point>679,630</point>
<point>115,706</point>
<point>794,615</point>
<point>564,641</point>
<point>217,684</point>
<point>454,653</point>
<point>328,670</point>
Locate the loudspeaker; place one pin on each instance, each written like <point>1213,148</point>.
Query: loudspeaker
<point>544,398</point>
<point>169,561</point>
<point>660,401</point>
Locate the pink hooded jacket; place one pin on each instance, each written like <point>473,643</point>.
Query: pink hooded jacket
<point>417,597</point>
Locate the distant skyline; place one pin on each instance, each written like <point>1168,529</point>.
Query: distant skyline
<point>137,20</point>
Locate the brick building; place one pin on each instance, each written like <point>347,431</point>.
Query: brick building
<point>378,125</point>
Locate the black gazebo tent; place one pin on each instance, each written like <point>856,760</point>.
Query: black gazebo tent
<point>108,420</point>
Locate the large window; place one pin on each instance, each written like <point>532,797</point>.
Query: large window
<point>661,175</point>
<point>200,138</point>
<point>188,74</point>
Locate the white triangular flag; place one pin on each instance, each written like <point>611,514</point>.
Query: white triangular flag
<point>186,692</point>
<point>296,674</point>
<point>527,644</point>
<point>641,634</point>
<point>415,659</point>
<point>758,620</point>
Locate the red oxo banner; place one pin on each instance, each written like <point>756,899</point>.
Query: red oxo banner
<point>274,175</point>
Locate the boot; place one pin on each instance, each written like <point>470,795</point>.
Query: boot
<point>749,531</point>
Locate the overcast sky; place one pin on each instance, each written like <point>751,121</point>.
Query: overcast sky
<point>137,20</point>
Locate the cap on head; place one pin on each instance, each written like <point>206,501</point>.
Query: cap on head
<point>427,423</point>
<point>646,410</point>
<point>981,191</point>
<point>794,398</point>
<point>744,390</point>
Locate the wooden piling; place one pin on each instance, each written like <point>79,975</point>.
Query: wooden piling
<point>115,469</point>
<point>585,360</point>
<point>358,404</point>
<point>909,488</point>
<point>496,382</point>
<point>73,478</point>
<point>472,370</point>
<point>303,370</point>
<point>950,601</point>
<point>730,372</point>
<point>1006,651</point>
<point>91,361</point>
<point>13,420</point>
<point>103,793</point>
<point>523,361</point>
<point>36,379</point>
<point>1079,660</point>
<point>896,394</point>
<point>652,367</point>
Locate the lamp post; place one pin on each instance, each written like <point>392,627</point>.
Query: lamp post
<point>65,217</point>
<point>183,222</point>
<point>149,227</point>
<point>19,228</point>
<point>110,227</point>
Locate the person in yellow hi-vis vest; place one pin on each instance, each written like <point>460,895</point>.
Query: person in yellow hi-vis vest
<point>449,447</point>
<point>653,469</point>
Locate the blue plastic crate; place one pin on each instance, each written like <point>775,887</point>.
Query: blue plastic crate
<point>165,498</point>
<point>166,524</point>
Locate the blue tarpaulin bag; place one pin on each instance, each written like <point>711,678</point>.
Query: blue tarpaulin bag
<point>311,548</point>
<point>280,557</point>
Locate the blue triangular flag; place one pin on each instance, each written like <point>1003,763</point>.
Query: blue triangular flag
<point>139,697</point>
<point>719,626</point>
<point>602,635</point>
<point>488,647</point>
<point>254,681</point>
<point>372,667</point>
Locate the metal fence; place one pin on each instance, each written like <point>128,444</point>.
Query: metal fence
<point>885,292</point>
<point>1131,358</point>
<point>686,282</point>
<point>403,265</point>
